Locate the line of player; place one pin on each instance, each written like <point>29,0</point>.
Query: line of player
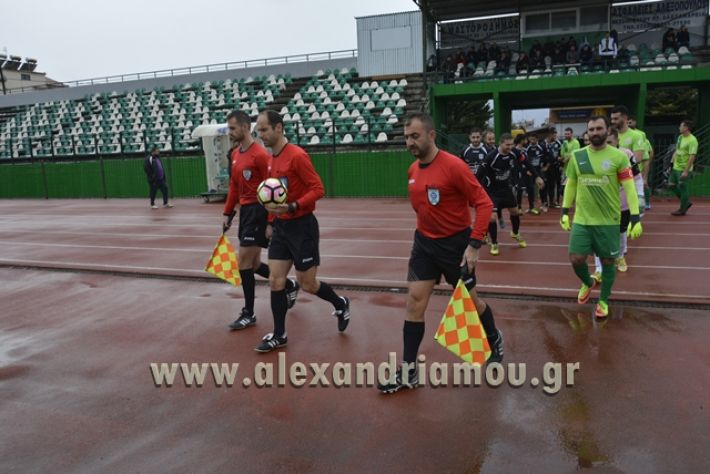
<point>536,164</point>
<point>442,190</point>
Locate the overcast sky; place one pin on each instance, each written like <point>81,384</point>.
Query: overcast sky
<point>81,39</point>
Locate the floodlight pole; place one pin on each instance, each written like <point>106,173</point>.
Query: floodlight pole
<point>2,79</point>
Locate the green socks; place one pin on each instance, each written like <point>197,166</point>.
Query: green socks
<point>582,271</point>
<point>608,277</point>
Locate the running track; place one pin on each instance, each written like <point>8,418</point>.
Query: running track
<point>363,243</point>
<point>76,393</point>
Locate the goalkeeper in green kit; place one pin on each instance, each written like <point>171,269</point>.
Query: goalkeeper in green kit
<point>594,175</point>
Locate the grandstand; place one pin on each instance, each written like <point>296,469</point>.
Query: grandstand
<point>116,352</point>
<point>329,106</point>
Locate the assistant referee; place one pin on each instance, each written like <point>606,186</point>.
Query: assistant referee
<point>441,190</point>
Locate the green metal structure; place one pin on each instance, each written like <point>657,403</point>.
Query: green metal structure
<point>627,88</point>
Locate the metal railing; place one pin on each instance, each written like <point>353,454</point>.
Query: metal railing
<point>228,66</point>
<point>661,166</point>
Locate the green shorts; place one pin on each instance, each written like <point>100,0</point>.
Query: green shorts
<point>676,179</point>
<point>600,240</point>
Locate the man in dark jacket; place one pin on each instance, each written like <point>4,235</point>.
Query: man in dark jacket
<point>155,173</point>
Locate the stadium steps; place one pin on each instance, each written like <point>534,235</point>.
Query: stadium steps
<point>288,94</point>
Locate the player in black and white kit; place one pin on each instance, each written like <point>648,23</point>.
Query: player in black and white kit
<point>475,152</point>
<point>499,170</point>
<point>539,158</point>
<point>553,175</point>
<point>520,143</point>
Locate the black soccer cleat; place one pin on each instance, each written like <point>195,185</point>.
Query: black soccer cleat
<point>343,315</point>
<point>246,319</point>
<point>399,383</point>
<point>271,342</point>
<point>292,294</point>
<point>496,349</point>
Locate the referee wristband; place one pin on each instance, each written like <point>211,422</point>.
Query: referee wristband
<point>292,206</point>
<point>565,211</point>
<point>635,218</point>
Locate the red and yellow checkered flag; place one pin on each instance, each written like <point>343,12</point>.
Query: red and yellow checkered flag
<point>223,263</point>
<point>460,330</point>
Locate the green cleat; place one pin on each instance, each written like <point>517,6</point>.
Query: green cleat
<point>585,291</point>
<point>602,310</point>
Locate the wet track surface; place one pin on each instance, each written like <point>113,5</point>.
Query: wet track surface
<point>77,394</point>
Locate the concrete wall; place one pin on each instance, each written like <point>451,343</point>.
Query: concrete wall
<point>13,79</point>
<point>390,44</point>
<point>303,69</point>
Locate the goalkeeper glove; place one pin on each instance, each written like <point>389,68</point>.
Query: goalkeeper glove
<point>635,230</point>
<point>564,220</point>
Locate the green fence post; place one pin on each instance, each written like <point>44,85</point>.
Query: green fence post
<point>103,176</point>
<point>44,180</point>
<point>172,182</point>
<point>329,166</point>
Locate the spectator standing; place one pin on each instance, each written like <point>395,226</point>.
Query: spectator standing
<point>683,38</point>
<point>607,50</point>
<point>669,40</point>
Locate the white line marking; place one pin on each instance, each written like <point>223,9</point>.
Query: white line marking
<point>206,250</point>
<point>363,240</point>
<point>408,230</point>
<point>343,279</point>
<point>348,218</point>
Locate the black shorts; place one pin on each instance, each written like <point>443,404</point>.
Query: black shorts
<point>432,258</point>
<point>253,219</point>
<point>297,240</point>
<point>503,198</point>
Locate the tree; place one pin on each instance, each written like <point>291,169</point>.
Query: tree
<point>462,116</point>
<point>672,102</point>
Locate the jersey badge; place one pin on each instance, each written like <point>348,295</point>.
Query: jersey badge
<point>433,195</point>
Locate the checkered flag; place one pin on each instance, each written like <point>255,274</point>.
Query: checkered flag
<point>223,263</point>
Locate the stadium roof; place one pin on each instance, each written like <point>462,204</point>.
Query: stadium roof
<point>443,10</point>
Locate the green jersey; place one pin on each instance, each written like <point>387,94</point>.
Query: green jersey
<point>632,139</point>
<point>646,145</point>
<point>598,175</point>
<point>685,147</point>
<point>569,147</point>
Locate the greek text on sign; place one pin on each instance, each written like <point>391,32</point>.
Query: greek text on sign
<point>667,14</point>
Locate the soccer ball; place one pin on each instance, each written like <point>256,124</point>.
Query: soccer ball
<point>271,192</point>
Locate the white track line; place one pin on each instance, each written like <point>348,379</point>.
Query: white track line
<point>215,218</point>
<point>408,230</point>
<point>399,283</point>
<point>379,241</point>
<point>359,257</point>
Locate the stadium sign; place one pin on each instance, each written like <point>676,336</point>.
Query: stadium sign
<point>666,14</point>
<point>462,34</point>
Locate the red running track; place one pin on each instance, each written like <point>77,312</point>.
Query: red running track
<point>363,243</point>
<point>76,394</point>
